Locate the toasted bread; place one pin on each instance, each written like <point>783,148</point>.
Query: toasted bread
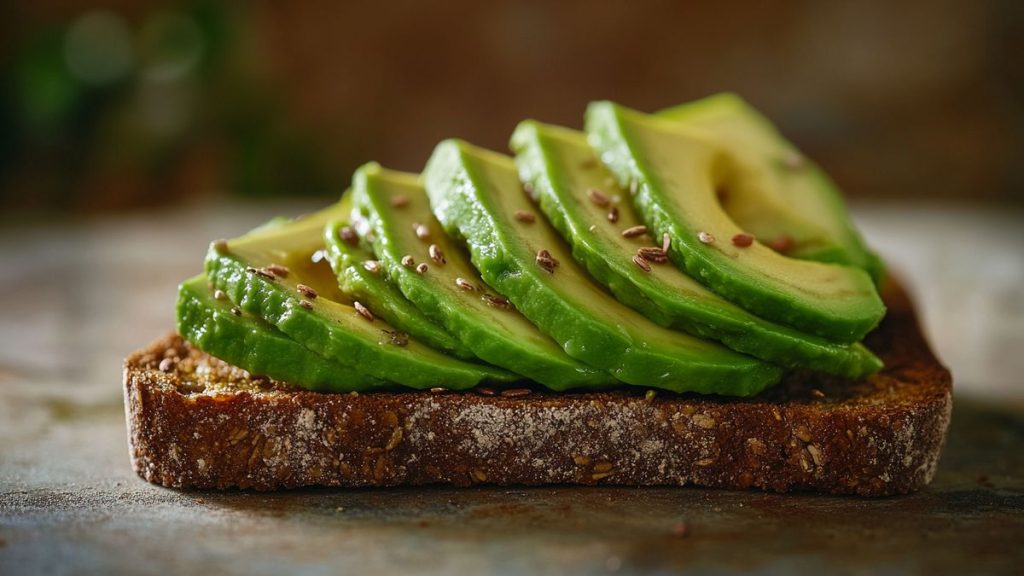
<point>196,422</point>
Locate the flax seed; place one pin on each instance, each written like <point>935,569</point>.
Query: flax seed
<point>495,301</point>
<point>408,261</point>
<point>546,261</point>
<point>525,217</point>
<point>464,284</point>
<point>307,291</point>
<point>634,231</point>
<point>598,197</point>
<point>742,240</point>
<point>652,254</point>
<point>363,310</point>
<point>436,254</point>
<point>641,262</point>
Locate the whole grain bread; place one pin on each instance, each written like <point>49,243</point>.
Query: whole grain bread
<point>196,422</point>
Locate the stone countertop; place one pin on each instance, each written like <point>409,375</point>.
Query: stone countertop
<point>78,296</point>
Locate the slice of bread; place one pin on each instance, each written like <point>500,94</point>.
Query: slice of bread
<point>196,422</point>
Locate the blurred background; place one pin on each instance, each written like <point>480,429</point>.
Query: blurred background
<point>107,106</point>
<point>135,129</point>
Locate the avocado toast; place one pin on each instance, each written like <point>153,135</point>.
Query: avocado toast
<point>644,303</point>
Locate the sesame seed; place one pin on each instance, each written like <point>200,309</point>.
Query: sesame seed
<point>666,242</point>
<point>641,262</point>
<point>306,304</point>
<point>166,364</point>
<point>495,301</point>
<point>597,197</point>
<point>516,392</point>
<point>306,291</point>
<point>421,230</point>
<point>278,270</point>
<point>546,261</point>
<point>221,246</point>
<point>318,256</point>
<point>348,235</point>
<point>592,227</point>
<point>408,261</point>
<point>705,237</point>
<point>363,310</point>
<point>399,201</point>
<point>782,243</point>
<point>438,390</point>
<point>421,268</point>
<point>742,240</point>
<point>485,391</point>
<point>464,284</point>
<point>219,295</point>
<point>634,231</point>
<point>372,266</point>
<point>613,215</point>
<point>436,254</point>
<point>236,310</point>
<point>524,216</point>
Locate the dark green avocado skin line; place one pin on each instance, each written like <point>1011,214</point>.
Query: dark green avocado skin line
<point>609,324</point>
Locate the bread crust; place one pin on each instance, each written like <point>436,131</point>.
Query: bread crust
<point>195,422</point>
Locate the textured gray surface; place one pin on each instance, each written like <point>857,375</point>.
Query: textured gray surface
<point>78,298</point>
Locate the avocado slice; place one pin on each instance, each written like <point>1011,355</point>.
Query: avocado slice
<point>396,208</point>
<point>476,195</point>
<point>349,259</point>
<point>673,175</point>
<point>805,204</point>
<point>212,323</point>
<point>328,323</point>
<point>561,170</point>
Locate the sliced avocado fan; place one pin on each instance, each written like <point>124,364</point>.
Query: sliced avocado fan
<point>436,275</point>
<point>787,196</point>
<point>475,194</point>
<point>673,175</point>
<point>581,200</point>
<point>208,320</point>
<point>273,273</point>
<point>361,277</point>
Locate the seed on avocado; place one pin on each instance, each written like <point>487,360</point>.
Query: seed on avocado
<point>348,235</point>
<point>524,216</point>
<point>634,231</point>
<point>278,270</point>
<point>705,237</point>
<point>464,284</point>
<point>221,246</point>
<point>641,262</point>
<point>652,254</point>
<point>421,268</point>
<point>598,197</point>
<point>782,243</point>
<point>399,201</point>
<point>372,266</point>
<point>422,232</point>
<point>408,261</point>
<point>546,261</point>
<point>496,301</point>
<point>363,310</point>
<point>613,215</point>
<point>436,254</point>
<point>265,273</point>
<point>306,291</point>
<point>742,240</point>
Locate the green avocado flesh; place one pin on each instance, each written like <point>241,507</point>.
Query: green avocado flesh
<point>212,325</point>
<point>561,169</point>
<point>395,205</point>
<point>673,175</point>
<point>334,328</point>
<point>475,194</point>
<point>378,293</point>
<point>781,193</point>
